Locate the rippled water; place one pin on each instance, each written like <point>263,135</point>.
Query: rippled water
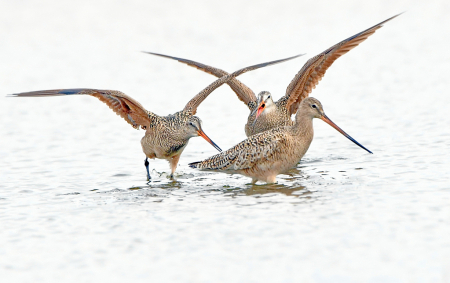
<point>74,203</point>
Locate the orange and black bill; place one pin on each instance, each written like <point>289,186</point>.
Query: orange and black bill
<point>259,110</point>
<point>328,121</point>
<point>261,107</point>
<point>203,135</point>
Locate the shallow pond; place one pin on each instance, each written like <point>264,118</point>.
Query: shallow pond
<point>74,202</point>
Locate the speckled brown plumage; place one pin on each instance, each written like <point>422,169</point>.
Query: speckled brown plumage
<point>265,155</point>
<point>165,136</point>
<point>300,87</point>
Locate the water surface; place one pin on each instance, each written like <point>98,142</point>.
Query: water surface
<point>74,202</point>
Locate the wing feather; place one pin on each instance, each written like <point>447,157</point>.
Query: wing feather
<point>246,154</point>
<point>244,93</point>
<point>123,105</point>
<point>192,105</point>
<point>314,69</point>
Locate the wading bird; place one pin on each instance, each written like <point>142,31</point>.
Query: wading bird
<point>274,114</point>
<point>165,136</point>
<point>265,155</point>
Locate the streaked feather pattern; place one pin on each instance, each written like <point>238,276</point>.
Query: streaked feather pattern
<point>244,93</point>
<point>244,155</point>
<point>313,71</point>
<point>299,88</point>
<point>166,136</point>
<point>123,105</point>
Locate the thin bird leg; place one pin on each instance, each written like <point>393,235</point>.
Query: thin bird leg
<point>173,164</point>
<point>271,179</point>
<point>146,167</point>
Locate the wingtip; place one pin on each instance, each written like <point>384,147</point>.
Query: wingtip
<point>167,56</point>
<point>393,17</point>
<point>290,58</point>
<point>399,14</point>
<point>276,61</point>
<point>157,54</point>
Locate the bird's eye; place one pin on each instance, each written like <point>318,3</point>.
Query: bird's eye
<point>313,106</point>
<point>268,97</point>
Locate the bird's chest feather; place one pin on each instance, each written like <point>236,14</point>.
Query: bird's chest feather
<point>270,119</point>
<point>162,143</point>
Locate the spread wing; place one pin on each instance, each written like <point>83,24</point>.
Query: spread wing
<point>124,106</point>
<point>192,105</point>
<point>314,69</point>
<point>244,93</point>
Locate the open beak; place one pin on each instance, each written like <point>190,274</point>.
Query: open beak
<point>203,135</point>
<point>259,110</point>
<point>329,122</point>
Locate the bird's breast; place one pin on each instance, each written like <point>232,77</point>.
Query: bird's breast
<point>162,145</point>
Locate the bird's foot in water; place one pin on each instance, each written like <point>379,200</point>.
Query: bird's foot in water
<point>149,178</point>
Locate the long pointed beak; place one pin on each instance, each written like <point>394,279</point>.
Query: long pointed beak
<point>203,135</point>
<point>329,122</point>
<point>259,110</point>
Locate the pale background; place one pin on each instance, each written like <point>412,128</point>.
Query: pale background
<point>74,204</point>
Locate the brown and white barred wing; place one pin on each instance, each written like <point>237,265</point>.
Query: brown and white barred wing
<point>314,69</point>
<point>192,105</point>
<point>123,105</point>
<point>245,154</point>
<point>243,92</point>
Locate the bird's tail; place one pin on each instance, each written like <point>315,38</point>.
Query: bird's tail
<point>194,164</point>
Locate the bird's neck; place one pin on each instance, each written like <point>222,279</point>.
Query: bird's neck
<point>303,124</point>
<point>270,108</point>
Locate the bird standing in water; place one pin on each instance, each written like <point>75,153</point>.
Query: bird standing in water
<point>275,114</point>
<point>165,136</point>
<point>265,155</point>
